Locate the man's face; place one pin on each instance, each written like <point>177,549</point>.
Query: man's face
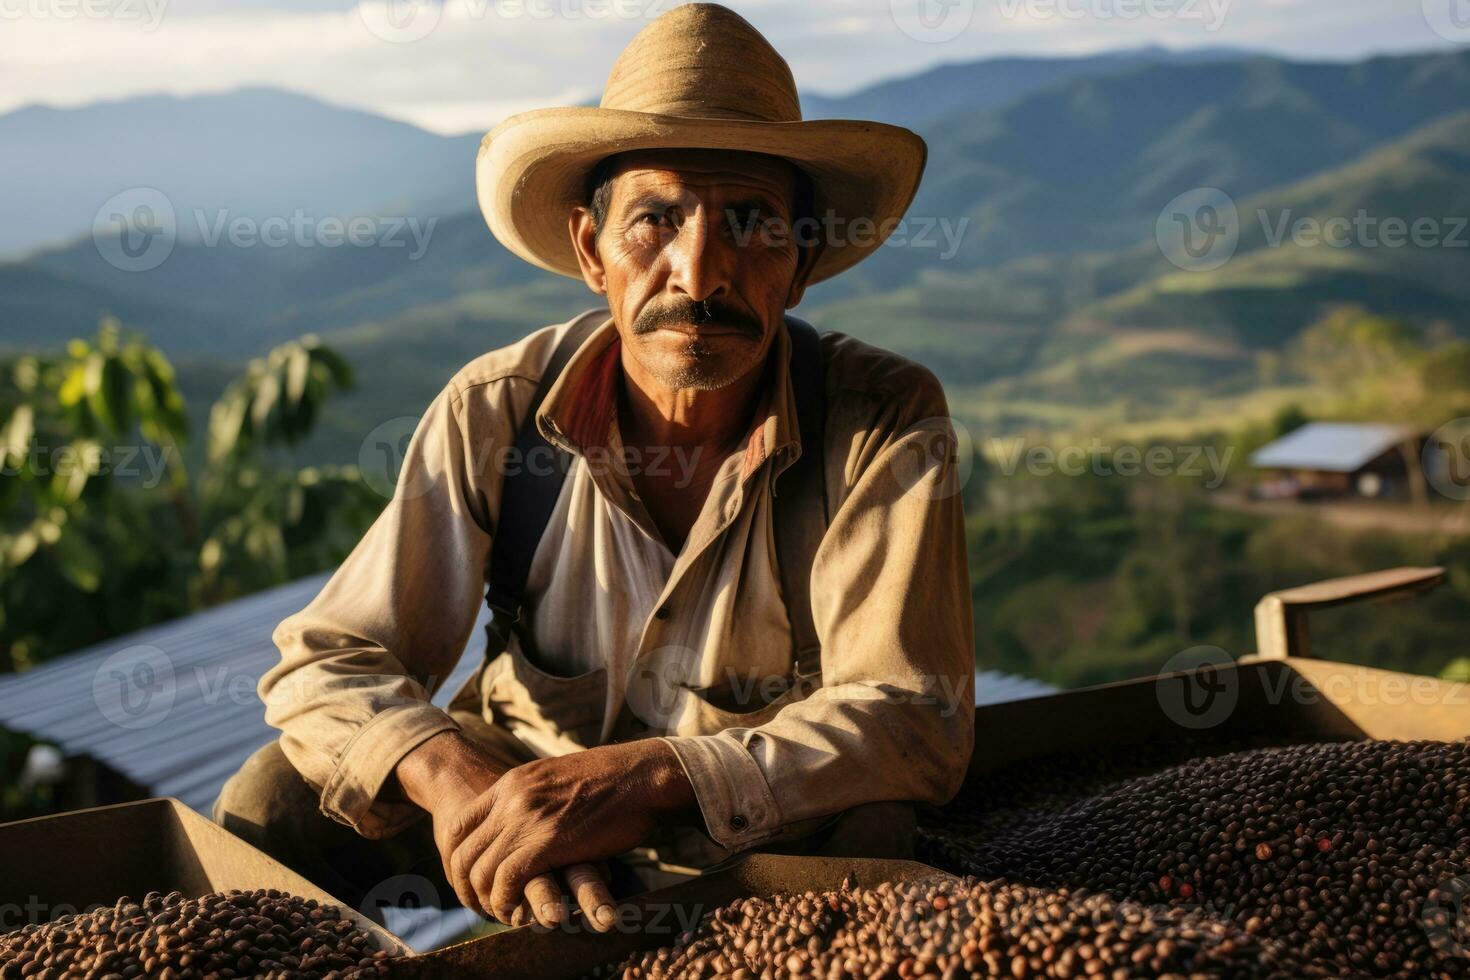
<point>698,259</point>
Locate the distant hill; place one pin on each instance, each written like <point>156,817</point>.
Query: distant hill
<point>989,84</point>
<point>1058,293</point>
<point>1276,283</point>
<point>1088,165</point>
<point>256,152</point>
<point>215,151</point>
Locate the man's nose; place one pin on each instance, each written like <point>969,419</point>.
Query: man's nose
<point>700,259</point>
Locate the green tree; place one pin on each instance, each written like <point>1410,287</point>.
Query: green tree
<point>104,528</point>
<point>87,435</point>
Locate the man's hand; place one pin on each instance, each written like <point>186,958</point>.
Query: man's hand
<point>446,775</point>
<point>559,813</point>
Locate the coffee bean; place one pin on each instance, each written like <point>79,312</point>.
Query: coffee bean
<point>950,928</point>
<point>1350,841</point>
<point>218,936</point>
<point>1139,864</point>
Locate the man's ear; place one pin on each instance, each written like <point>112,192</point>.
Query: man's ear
<point>584,241</point>
<point>806,261</point>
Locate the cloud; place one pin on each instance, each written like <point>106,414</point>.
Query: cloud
<point>484,59</point>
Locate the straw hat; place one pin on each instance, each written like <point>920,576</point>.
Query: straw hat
<point>699,76</point>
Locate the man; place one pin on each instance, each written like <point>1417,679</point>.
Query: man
<point>660,664</point>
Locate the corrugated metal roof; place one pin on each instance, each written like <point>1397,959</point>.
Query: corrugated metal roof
<point>173,707</point>
<point>1335,447</point>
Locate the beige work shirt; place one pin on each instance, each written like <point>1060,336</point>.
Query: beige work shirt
<point>630,639</point>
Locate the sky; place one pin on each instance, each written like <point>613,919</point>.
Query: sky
<point>462,65</point>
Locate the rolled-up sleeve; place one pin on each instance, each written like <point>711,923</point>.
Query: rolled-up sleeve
<point>359,664</point>
<point>894,717</point>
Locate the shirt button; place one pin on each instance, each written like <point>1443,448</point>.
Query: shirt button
<point>662,613</point>
<point>738,822</point>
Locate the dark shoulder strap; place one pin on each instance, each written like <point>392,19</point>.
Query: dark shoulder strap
<point>528,495</point>
<point>801,496</point>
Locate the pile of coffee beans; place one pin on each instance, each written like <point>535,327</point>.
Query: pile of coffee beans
<point>1355,855</point>
<point>262,933</point>
<point>949,928</point>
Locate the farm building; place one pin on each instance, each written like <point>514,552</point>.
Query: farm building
<point>1340,459</point>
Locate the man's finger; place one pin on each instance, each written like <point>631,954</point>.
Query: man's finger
<point>461,871</point>
<point>470,869</point>
<point>484,877</point>
<point>544,898</point>
<point>590,890</point>
<point>513,871</point>
<point>457,869</point>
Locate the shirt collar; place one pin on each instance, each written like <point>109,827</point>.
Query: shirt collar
<point>579,410</point>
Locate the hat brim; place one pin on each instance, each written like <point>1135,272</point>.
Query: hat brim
<point>533,168</point>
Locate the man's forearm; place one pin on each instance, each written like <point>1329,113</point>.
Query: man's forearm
<point>671,791</point>
<point>446,768</point>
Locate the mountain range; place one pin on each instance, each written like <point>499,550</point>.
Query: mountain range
<point>1052,175</point>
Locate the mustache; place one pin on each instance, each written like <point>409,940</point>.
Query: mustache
<point>700,313</point>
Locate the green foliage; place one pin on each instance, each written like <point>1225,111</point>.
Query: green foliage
<point>278,399</point>
<point>1351,346</point>
<point>1100,579</point>
<point>269,526</point>
<point>79,430</point>
<point>104,530</point>
<point>1288,418</point>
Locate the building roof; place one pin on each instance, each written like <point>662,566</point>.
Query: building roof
<point>1334,447</point>
<point>173,707</point>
